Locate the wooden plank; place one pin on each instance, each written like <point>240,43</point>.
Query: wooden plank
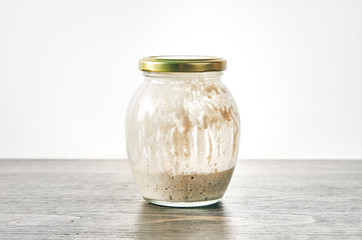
<point>97,199</point>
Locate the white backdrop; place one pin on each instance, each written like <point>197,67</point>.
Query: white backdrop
<point>69,68</point>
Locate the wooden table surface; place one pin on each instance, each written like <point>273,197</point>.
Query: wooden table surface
<point>97,199</point>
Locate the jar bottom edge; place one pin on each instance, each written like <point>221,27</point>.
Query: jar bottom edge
<point>183,204</point>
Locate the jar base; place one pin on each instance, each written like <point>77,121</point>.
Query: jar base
<point>183,204</point>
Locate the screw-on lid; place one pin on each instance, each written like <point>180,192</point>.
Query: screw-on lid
<point>182,63</point>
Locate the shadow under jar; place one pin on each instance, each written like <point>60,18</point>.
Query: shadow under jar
<point>182,131</point>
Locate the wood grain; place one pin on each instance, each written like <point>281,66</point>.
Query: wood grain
<point>97,199</point>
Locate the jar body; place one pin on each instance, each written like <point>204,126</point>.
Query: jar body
<point>182,133</point>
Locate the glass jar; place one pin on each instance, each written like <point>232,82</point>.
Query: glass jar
<point>182,131</point>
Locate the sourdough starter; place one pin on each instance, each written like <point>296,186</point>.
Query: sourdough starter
<point>183,188</point>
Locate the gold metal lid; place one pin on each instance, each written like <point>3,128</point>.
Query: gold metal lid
<point>182,63</point>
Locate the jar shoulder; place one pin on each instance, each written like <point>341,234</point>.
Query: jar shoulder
<point>196,92</point>
<point>199,102</point>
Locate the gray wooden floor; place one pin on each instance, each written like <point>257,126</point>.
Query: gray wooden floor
<point>97,199</point>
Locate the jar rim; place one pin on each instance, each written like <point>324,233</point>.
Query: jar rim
<point>182,63</point>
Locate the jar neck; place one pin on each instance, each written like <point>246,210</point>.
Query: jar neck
<point>182,76</point>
